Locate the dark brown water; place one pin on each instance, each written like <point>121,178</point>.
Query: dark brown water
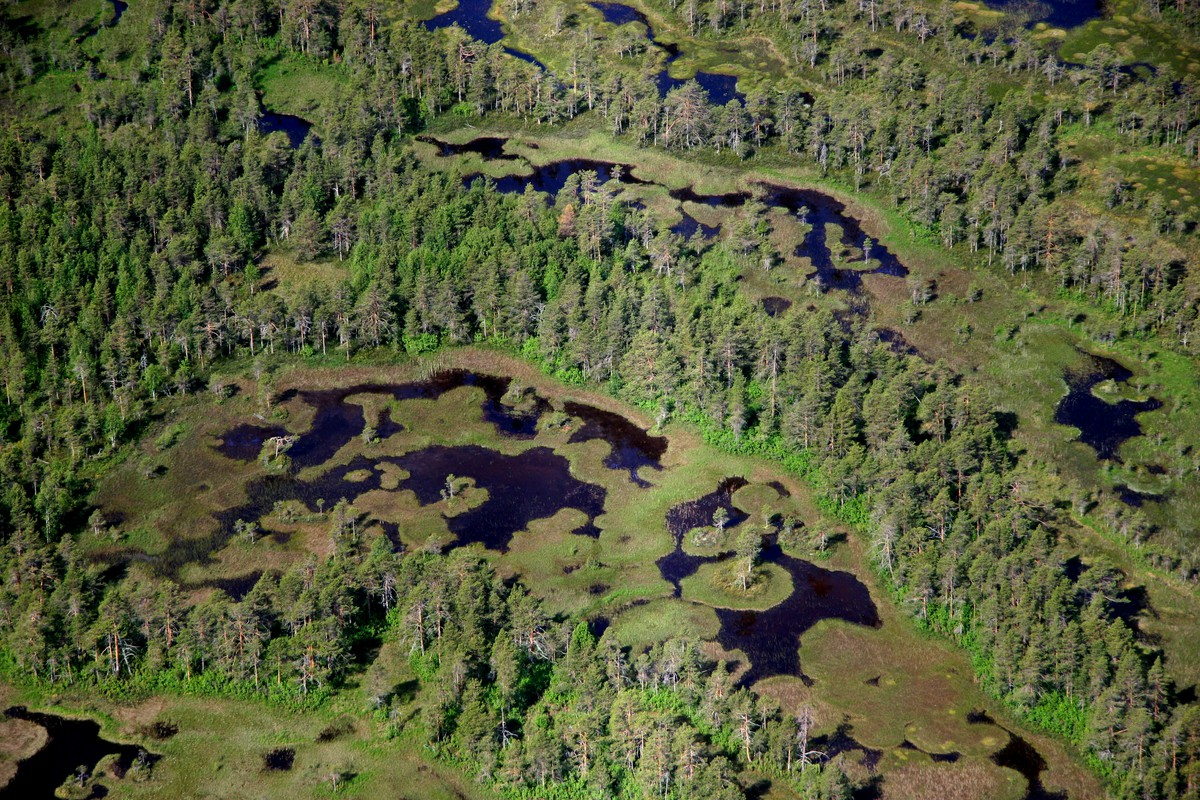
<point>551,178</point>
<point>337,422</point>
<point>296,128</point>
<point>1021,756</point>
<point>1103,426</point>
<point>689,226</point>
<point>771,638</point>
<point>70,744</point>
<point>719,87</point>
<point>244,442</point>
<point>632,447</point>
<point>535,484</point>
<point>472,17</point>
<point>776,306</point>
<point>490,147</point>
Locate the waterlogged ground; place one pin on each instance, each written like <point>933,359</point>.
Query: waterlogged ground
<point>597,514</point>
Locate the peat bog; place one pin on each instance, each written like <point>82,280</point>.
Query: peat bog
<point>1104,426</point>
<point>71,744</point>
<point>770,638</point>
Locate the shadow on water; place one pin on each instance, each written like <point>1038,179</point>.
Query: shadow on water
<point>632,447</point>
<point>245,442</point>
<point>535,484</point>
<point>689,226</point>
<point>771,638</point>
<point>472,17</point>
<point>552,177</point>
<point>1103,426</point>
<point>1021,756</point>
<point>296,128</point>
<point>337,422</point>
<point>1056,13</point>
<point>70,744</point>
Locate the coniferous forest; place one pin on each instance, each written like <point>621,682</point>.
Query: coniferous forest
<point>678,399</point>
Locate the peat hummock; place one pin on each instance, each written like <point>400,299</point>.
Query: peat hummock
<point>1102,425</point>
<point>70,744</point>
<point>771,638</point>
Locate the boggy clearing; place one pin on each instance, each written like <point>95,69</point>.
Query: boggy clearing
<point>567,491</point>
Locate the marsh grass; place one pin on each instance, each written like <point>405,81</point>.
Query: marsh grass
<point>925,687</point>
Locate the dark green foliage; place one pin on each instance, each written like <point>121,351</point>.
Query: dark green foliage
<point>129,252</point>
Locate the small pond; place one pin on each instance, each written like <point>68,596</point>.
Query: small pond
<point>1056,13</point>
<point>118,11</point>
<point>1021,756</point>
<point>245,442</point>
<point>689,226</point>
<point>71,744</point>
<point>472,17</point>
<point>720,88</point>
<point>815,209</point>
<point>551,178</point>
<point>1102,425</point>
<point>771,638</point>
<point>532,485</point>
<point>296,128</point>
<point>632,447</point>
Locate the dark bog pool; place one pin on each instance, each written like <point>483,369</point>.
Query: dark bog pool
<point>1103,426</point>
<point>689,226</point>
<point>336,422</point>
<point>770,639</point>
<point>1021,756</point>
<point>720,88</point>
<point>1057,13</point>
<point>490,147</point>
<point>472,17</point>
<point>776,306</point>
<point>810,206</point>
<point>70,744</point>
<point>552,177</point>
<point>244,442</point>
<point>632,447</point>
<point>532,485</point>
<point>535,484</point>
<point>119,9</point>
<point>621,14</point>
<point>818,209</point>
<point>296,128</point>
